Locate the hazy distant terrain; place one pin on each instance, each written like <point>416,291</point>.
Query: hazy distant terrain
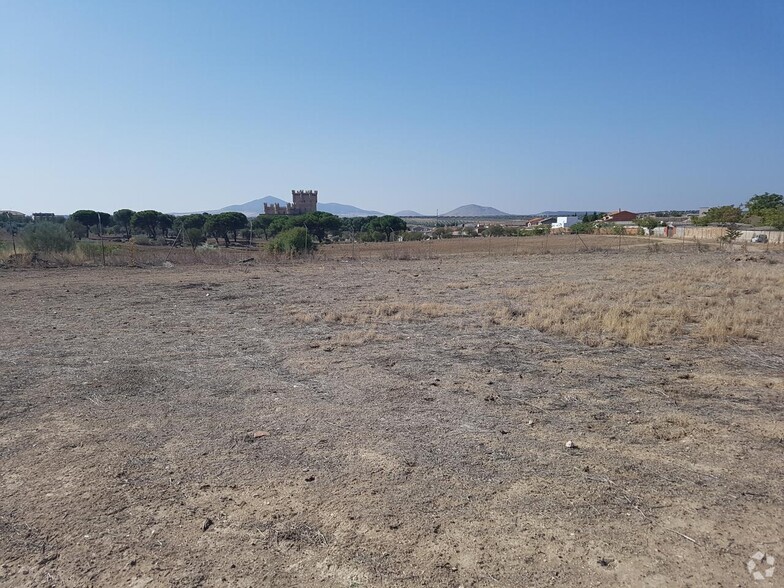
<point>471,210</point>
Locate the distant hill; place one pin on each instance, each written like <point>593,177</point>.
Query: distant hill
<point>408,213</point>
<point>471,210</point>
<point>252,207</point>
<point>256,207</point>
<point>346,210</point>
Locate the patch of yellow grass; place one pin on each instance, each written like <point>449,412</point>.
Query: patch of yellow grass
<point>644,308</point>
<point>357,338</point>
<point>413,312</point>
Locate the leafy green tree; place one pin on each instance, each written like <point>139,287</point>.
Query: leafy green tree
<point>647,222</point>
<point>720,215</point>
<point>759,204</point>
<point>102,221</point>
<point>165,223</point>
<point>319,224</point>
<point>194,236</point>
<point>147,221</point>
<point>278,224</point>
<point>234,222</point>
<point>87,218</point>
<point>261,225</point>
<point>775,217</point>
<point>192,221</point>
<point>46,237</point>
<point>293,241</point>
<point>590,218</point>
<point>494,231</point>
<point>215,226</point>
<point>356,224</point>
<point>387,224</point>
<point>122,219</point>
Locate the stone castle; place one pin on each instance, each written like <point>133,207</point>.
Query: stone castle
<point>303,201</point>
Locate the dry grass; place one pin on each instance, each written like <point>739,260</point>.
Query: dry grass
<point>639,302</point>
<point>639,307</point>
<point>379,313</point>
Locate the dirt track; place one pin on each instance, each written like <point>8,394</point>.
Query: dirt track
<point>368,424</point>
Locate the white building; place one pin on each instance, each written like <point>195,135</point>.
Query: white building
<point>562,222</point>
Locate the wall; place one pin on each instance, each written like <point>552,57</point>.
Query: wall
<point>713,234</point>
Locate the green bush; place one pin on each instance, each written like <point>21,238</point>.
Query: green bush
<point>584,228</point>
<point>292,241</point>
<point>141,240</point>
<point>46,237</point>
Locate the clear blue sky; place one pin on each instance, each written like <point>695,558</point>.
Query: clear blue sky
<point>423,105</point>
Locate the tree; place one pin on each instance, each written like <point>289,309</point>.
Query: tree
<point>590,218</point>
<point>234,221</point>
<point>731,234</point>
<point>123,218</point>
<point>218,227</point>
<point>103,220</point>
<point>165,222</point>
<point>278,224</point>
<point>759,204</point>
<point>647,222</point>
<point>46,237</point>
<point>319,224</point>
<point>261,224</point>
<point>193,221</point>
<point>76,229</point>
<point>720,215</point>
<point>387,224</point>
<point>194,237</point>
<point>775,217</point>
<point>147,221</point>
<point>87,218</point>
<point>494,231</point>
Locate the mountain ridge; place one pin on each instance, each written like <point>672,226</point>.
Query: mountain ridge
<point>475,210</point>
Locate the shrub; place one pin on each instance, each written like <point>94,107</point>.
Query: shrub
<point>585,228</point>
<point>141,240</point>
<point>46,237</point>
<point>292,241</point>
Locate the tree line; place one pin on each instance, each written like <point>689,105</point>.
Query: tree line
<point>760,210</point>
<point>282,232</point>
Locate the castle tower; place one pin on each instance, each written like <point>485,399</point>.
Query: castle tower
<point>304,201</point>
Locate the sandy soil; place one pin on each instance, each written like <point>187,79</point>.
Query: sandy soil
<point>370,424</point>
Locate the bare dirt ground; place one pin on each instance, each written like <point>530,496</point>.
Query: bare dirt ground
<point>392,423</point>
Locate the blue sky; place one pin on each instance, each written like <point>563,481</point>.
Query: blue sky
<point>524,106</point>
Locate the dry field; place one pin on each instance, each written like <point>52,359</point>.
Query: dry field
<point>396,422</point>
